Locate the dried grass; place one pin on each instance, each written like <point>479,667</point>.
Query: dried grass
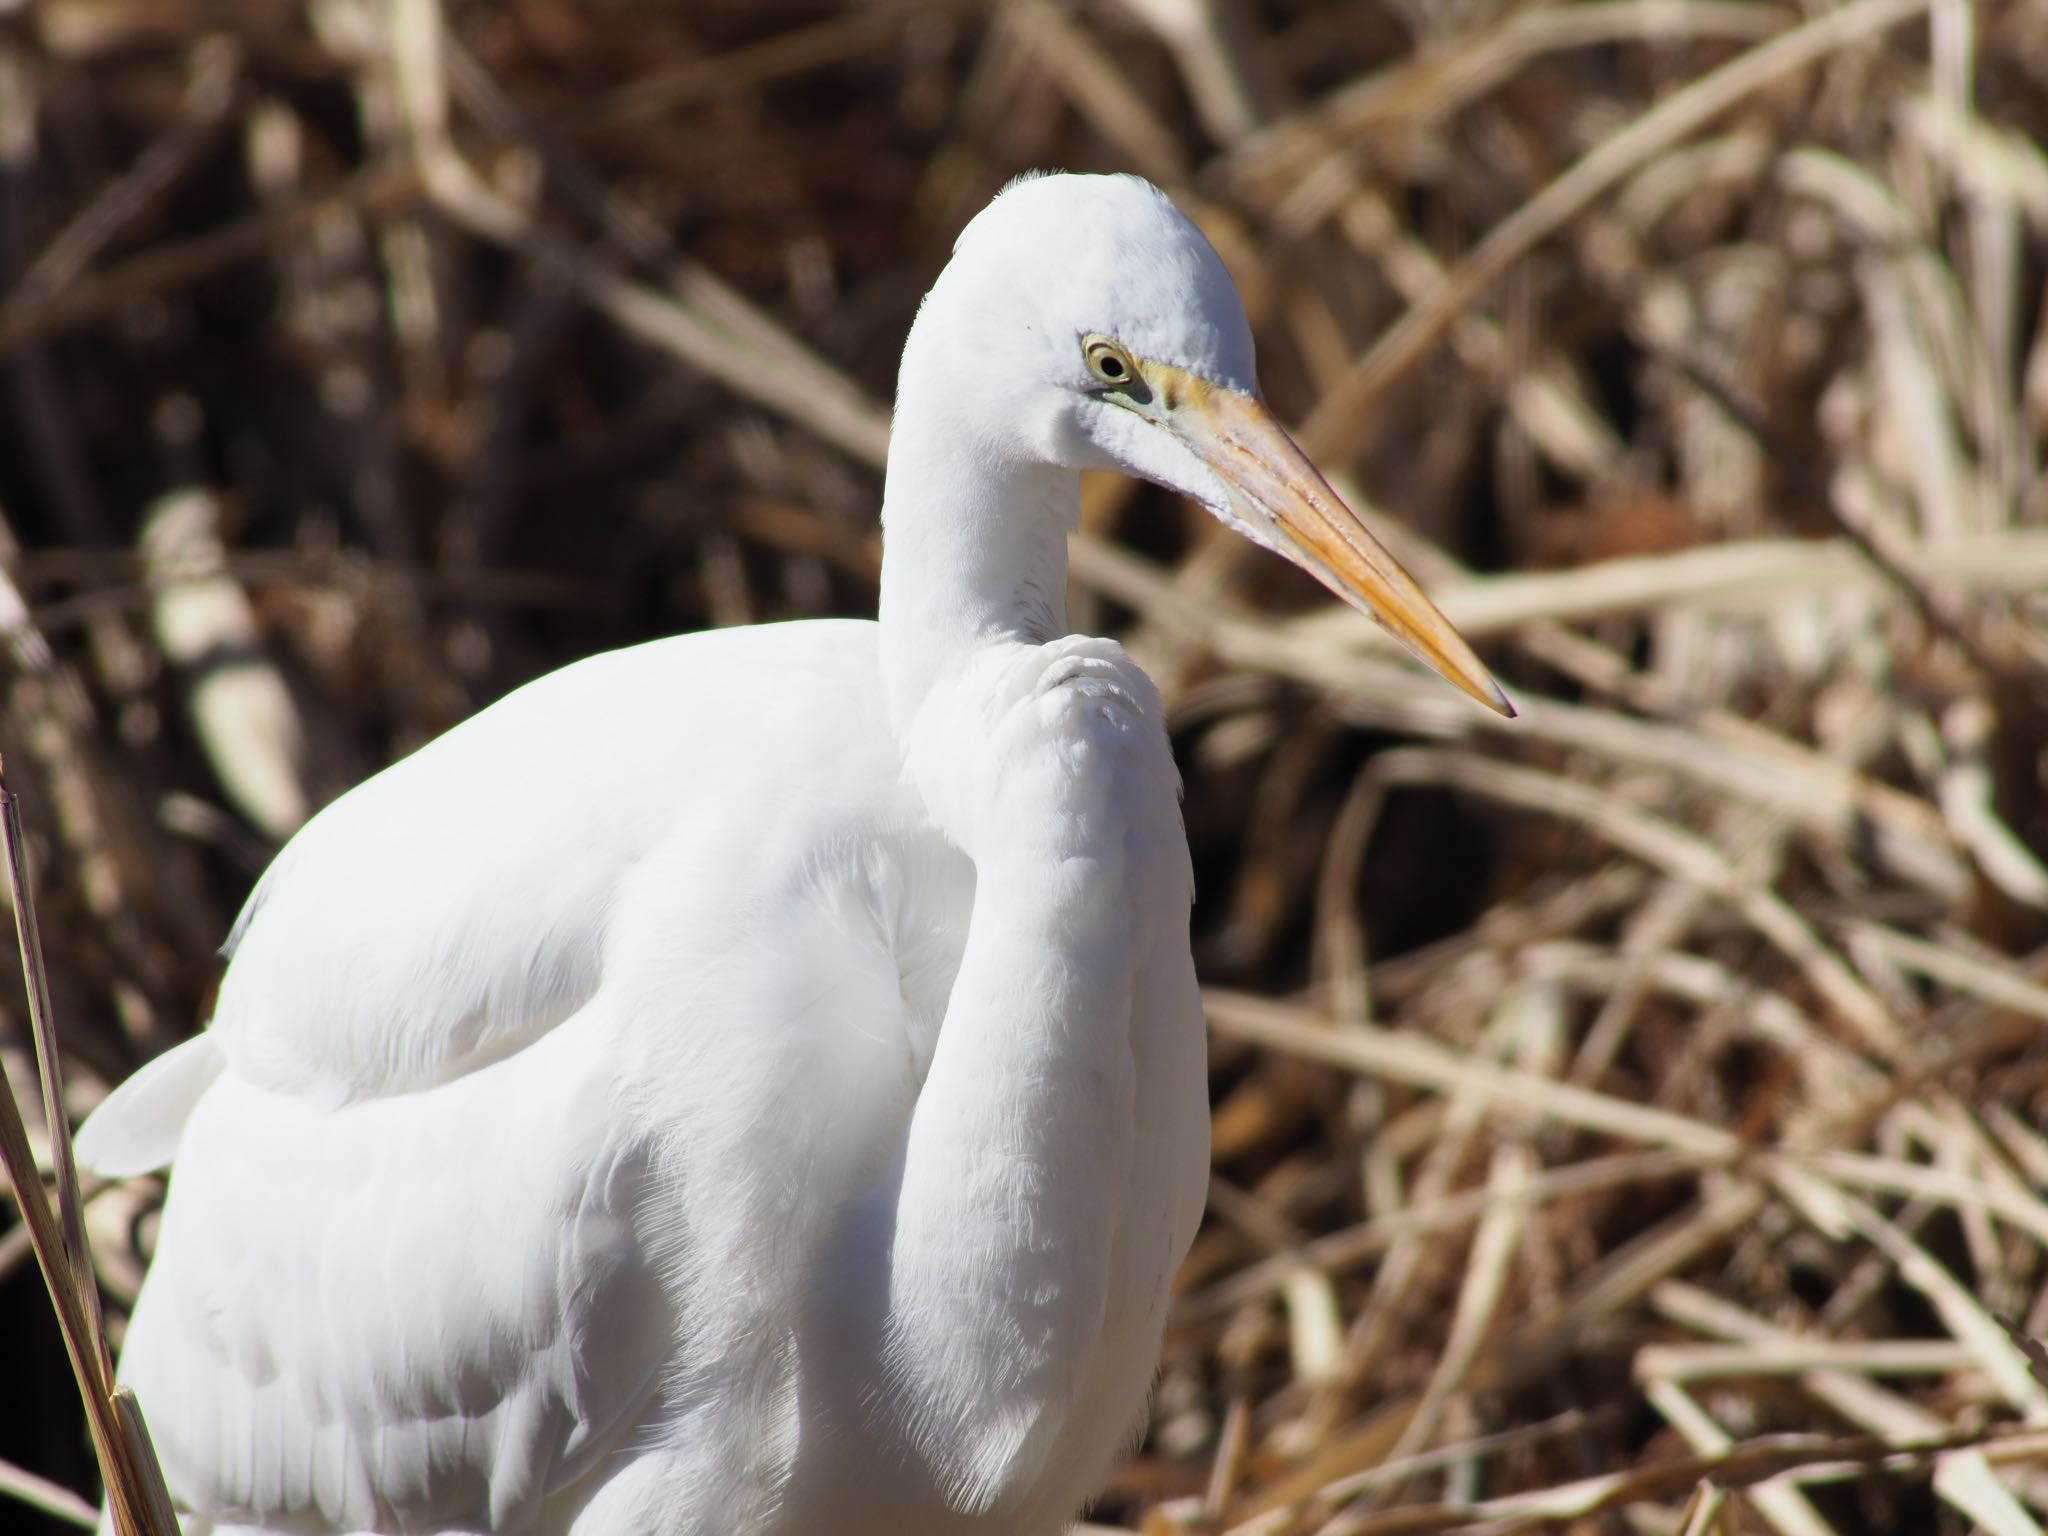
<point>1630,1118</point>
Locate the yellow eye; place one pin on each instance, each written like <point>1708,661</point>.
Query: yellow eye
<point>1110,363</point>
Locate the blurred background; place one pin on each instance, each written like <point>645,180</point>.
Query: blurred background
<point>1627,1119</point>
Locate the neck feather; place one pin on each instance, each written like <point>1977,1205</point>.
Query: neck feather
<point>974,553</point>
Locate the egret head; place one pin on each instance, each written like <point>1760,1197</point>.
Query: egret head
<point>1094,327</point>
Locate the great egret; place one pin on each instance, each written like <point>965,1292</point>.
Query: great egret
<point>754,1082</point>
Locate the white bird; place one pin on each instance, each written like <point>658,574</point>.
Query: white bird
<point>752,1083</point>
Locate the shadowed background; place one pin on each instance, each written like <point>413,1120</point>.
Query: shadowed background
<point>1650,1090</point>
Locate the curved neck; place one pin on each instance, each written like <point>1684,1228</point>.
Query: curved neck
<point>974,551</point>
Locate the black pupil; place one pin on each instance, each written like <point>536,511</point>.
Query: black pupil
<point>1112,367</point>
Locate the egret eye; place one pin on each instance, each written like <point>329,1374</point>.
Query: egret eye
<point>1114,367</point>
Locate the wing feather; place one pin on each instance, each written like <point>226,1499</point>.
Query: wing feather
<point>455,907</point>
<point>435,1302</point>
<point>416,1266</point>
<point>136,1128</point>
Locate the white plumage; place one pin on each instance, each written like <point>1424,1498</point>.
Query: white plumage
<point>752,1083</point>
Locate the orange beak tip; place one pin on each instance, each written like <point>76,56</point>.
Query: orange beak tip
<point>1481,686</point>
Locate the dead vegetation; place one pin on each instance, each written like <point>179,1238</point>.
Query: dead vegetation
<point>1630,1118</point>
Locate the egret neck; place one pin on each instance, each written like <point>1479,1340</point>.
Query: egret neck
<point>1046,762</point>
<point>974,570</point>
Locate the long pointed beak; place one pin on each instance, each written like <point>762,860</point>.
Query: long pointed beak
<point>1279,491</point>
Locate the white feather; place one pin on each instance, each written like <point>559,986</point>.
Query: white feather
<point>136,1129</point>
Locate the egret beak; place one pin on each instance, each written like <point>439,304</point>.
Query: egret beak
<point>1276,490</point>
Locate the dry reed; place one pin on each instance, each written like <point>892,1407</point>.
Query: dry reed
<point>1629,1119</point>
